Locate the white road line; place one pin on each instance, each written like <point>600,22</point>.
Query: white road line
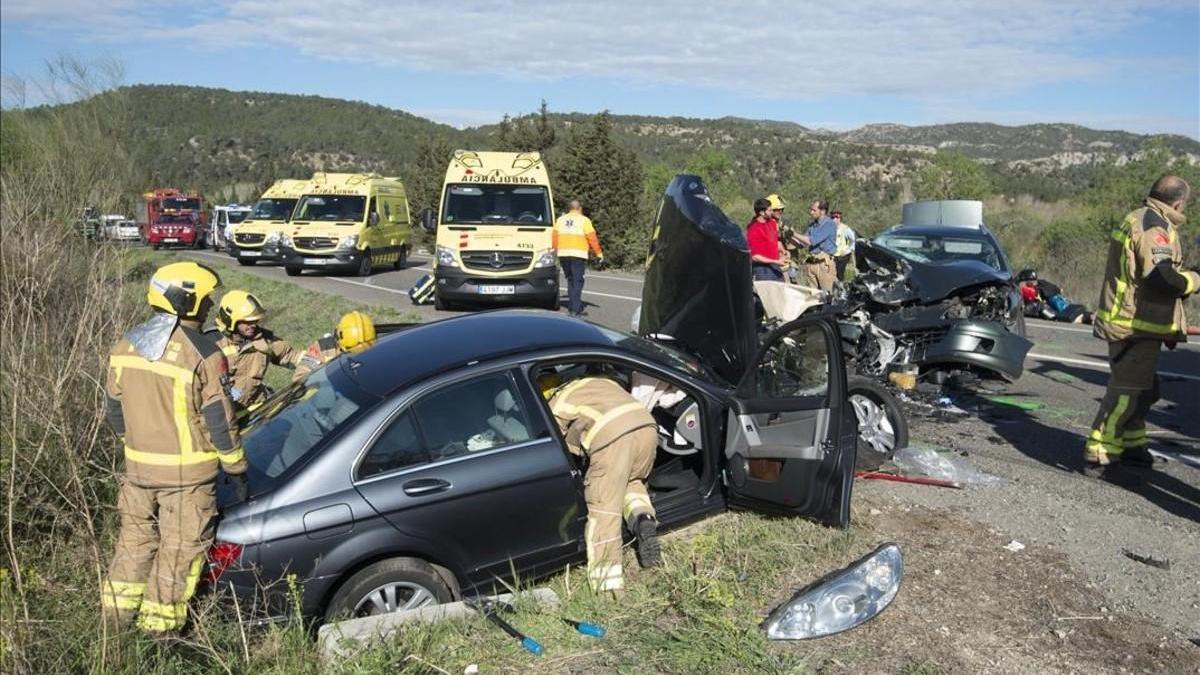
<point>1100,365</point>
<point>364,285</point>
<point>1050,326</point>
<point>610,295</point>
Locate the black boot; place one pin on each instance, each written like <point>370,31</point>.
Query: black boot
<point>649,552</point>
<point>1138,457</point>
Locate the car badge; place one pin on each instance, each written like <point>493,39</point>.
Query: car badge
<point>497,260</point>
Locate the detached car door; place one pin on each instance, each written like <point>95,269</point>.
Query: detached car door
<point>790,442</point>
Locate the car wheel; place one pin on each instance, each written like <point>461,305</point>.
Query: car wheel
<point>365,264</point>
<point>154,247</point>
<point>250,261</point>
<point>882,427</point>
<point>389,586</point>
<point>292,271</point>
<point>1017,326</point>
<point>401,259</point>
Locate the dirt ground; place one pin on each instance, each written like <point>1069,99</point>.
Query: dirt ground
<point>969,605</point>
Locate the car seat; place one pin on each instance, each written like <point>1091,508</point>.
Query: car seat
<point>507,422</point>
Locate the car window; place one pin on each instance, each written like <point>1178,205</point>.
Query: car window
<point>939,248</point>
<point>796,364</point>
<point>483,413</point>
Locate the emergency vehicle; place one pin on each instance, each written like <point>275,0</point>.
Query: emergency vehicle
<point>347,221</point>
<point>224,220</point>
<point>494,230</point>
<point>257,237</point>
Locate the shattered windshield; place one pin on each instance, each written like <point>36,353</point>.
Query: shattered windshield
<point>497,205</point>
<point>331,207</point>
<point>939,248</point>
<point>273,209</point>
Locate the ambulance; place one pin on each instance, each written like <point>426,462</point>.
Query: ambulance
<point>257,236</point>
<point>351,222</point>
<point>495,232</point>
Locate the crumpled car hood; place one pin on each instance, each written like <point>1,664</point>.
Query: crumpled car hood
<point>925,283</point>
<point>698,290</point>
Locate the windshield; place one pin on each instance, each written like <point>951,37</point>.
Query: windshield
<point>273,209</point>
<point>496,205</point>
<point>181,219</point>
<point>939,248</point>
<point>300,419</point>
<point>331,207</point>
<point>236,216</point>
<point>661,354</point>
<point>181,203</point>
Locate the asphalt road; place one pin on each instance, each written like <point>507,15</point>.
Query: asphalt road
<point>1046,501</point>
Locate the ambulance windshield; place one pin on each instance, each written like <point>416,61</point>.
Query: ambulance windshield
<point>497,205</point>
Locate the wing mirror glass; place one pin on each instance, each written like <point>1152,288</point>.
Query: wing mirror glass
<point>372,219</point>
<point>428,221</point>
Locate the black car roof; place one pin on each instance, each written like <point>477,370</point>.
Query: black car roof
<point>424,350</point>
<point>938,230</point>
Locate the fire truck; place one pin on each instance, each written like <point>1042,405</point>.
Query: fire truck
<point>173,218</point>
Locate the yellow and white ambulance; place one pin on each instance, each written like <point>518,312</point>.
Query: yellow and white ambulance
<point>495,231</point>
<point>257,237</point>
<point>350,222</point>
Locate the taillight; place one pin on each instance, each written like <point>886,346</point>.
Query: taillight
<point>220,556</point>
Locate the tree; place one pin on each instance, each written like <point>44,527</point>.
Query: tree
<point>424,181</point>
<point>952,175</point>
<point>529,133</point>
<point>607,178</point>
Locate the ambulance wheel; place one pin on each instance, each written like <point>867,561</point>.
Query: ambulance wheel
<point>292,271</point>
<point>551,303</point>
<point>401,259</point>
<point>365,264</point>
<point>438,303</point>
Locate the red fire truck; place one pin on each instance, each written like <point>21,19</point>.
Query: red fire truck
<point>174,218</point>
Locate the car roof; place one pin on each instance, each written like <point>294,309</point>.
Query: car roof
<point>424,350</point>
<point>939,230</point>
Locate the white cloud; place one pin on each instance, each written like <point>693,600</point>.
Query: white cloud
<point>755,48</point>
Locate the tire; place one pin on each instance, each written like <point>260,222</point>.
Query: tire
<point>1018,326</point>
<point>292,271</point>
<point>388,586</point>
<point>365,264</point>
<point>249,262</point>
<point>882,426</point>
<point>154,247</point>
<point>440,304</point>
<point>551,303</point>
<point>401,259</point>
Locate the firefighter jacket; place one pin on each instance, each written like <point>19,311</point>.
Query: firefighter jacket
<point>318,354</point>
<point>172,410</point>
<point>573,234</point>
<point>248,362</point>
<point>592,412</point>
<point>1144,282</point>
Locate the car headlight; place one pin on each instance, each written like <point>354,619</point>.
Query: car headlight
<point>445,257</point>
<point>273,238</point>
<point>546,258</point>
<point>348,241</point>
<point>841,600</point>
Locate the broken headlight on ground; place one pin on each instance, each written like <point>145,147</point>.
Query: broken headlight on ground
<point>842,600</point>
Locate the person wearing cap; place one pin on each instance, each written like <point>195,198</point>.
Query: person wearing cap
<point>819,244</point>
<point>762,234</point>
<point>843,245</point>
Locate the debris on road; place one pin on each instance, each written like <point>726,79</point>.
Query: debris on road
<point>942,465</point>
<point>1061,376</point>
<point>1014,546</point>
<point>1163,564</point>
<point>1016,402</point>
<point>898,478</point>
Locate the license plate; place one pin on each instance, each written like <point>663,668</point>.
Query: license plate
<point>251,254</point>
<point>497,290</point>
<point>170,240</point>
<point>315,261</point>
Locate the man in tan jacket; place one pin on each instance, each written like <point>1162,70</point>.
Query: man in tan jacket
<point>166,399</point>
<point>250,348</point>
<point>603,422</point>
<point>1141,308</point>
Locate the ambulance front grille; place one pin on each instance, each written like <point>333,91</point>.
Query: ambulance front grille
<point>496,261</point>
<point>249,238</point>
<point>315,243</point>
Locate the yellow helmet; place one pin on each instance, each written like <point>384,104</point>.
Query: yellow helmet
<point>355,332</point>
<point>776,201</point>
<point>547,383</point>
<point>237,306</point>
<point>181,288</point>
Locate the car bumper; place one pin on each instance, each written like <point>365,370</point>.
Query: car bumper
<point>335,260</point>
<point>458,285</point>
<point>981,344</point>
<point>268,601</point>
<point>171,240</point>
<point>268,252</point>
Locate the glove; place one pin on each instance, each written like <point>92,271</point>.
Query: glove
<point>241,486</point>
<point>599,262</point>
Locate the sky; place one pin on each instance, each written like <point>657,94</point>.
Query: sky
<point>1106,64</point>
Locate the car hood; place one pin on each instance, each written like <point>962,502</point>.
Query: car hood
<point>925,283</point>
<point>698,292</point>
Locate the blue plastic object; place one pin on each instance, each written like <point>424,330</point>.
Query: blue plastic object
<point>589,629</point>
<point>532,646</point>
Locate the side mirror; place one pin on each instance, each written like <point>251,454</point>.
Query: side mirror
<point>428,223</point>
<point>372,219</point>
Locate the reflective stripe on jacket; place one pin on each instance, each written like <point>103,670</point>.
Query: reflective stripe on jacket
<point>1144,282</point>
<point>592,412</point>
<point>573,235</point>
<point>248,363</point>
<point>176,416</point>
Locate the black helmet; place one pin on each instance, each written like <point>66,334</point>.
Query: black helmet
<point>1027,275</point>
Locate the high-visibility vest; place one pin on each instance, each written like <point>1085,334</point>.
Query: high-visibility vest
<point>573,235</point>
<point>592,412</point>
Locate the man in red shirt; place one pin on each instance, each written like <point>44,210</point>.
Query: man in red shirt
<point>762,233</point>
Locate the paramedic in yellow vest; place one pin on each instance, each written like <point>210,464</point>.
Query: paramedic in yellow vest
<point>573,236</point>
<point>843,242</point>
<point>603,422</point>
<point>250,348</point>
<point>1141,308</point>
<point>166,399</point>
<point>355,332</point>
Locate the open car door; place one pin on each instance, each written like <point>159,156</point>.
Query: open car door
<point>789,444</point>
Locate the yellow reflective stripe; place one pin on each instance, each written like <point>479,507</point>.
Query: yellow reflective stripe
<point>158,617</point>
<point>636,504</point>
<point>1191,282</point>
<point>1109,434</point>
<point>122,594</point>
<point>183,422</point>
<point>163,459</point>
<point>1143,325</point>
<point>608,417</point>
<point>233,456</point>
<point>189,584</point>
<point>229,350</point>
<point>156,367</point>
<point>1113,313</point>
<point>560,398</point>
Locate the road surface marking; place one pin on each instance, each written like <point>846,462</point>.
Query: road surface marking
<point>364,285</point>
<point>1100,365</point>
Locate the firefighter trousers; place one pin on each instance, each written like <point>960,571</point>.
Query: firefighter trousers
<point>820,272</point>
<point>1120,423</point>
<point>614,488</point>
<point>159,555</point>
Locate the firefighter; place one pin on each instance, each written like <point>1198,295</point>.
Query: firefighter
<point>166,399</point>
<point>614,431</point>
<point>1141,308</point>
<point>355,332</point>
<point>250,348</point>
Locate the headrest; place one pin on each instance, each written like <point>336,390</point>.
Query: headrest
<point>504,401</point>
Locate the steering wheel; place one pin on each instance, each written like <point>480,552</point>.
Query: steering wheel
<point>527,217</point>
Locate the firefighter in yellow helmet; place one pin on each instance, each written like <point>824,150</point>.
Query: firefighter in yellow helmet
<point>602,421</point>
<point>250,348</point>
<point>355,331</point>
<point>166,399</point>
<point>1141,309</point>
